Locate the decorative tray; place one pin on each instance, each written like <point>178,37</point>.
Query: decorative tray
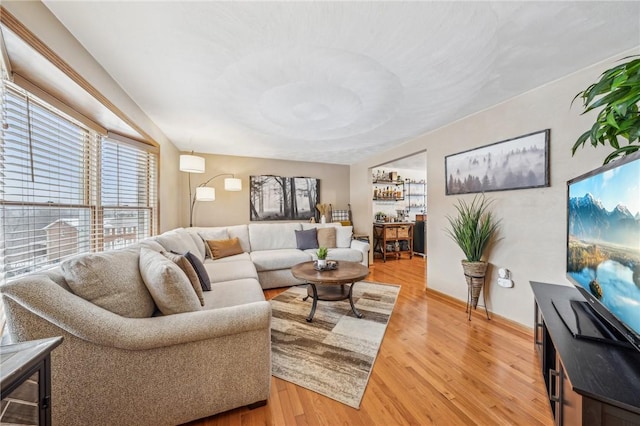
<point>331,265</point>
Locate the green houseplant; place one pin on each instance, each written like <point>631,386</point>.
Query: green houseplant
<point>473,228</point>
<point>618,92</point>
<point>322,256</point>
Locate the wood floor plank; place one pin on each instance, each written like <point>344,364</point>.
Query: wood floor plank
<point>434,368</point>
<point>296,404</point>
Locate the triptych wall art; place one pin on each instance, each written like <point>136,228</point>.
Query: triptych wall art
<point>283,198</point>
<point>517,163</point>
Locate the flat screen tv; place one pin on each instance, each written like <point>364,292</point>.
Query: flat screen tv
<point>603,245</point>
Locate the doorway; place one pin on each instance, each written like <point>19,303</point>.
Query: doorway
<point>399,191</point>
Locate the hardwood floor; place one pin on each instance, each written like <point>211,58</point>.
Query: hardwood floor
<point>434,368</point>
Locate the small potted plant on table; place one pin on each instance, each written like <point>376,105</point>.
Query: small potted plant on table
<point>322,257</point>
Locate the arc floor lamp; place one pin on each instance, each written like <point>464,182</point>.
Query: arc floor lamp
<point>194,164</point>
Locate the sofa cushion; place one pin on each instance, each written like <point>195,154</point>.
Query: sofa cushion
<point>234,293</point>
<point>234,258</point>
<point>327,237</point>
<point>218,233</point>
<point>224,248</point>
<point>272,236</point>
<point>198,266</point>
<point>241,232</point>
<point>228,271</point>
<point>307,225</point>
<point>110,280</point>
<point>189,271</point>
<point>167,283</point>
<point>306,239</point>
<point>57,277</point>
<point>269,260</point>
<point>197,239</point>
<point>179,241</point>
<point>343,236</point>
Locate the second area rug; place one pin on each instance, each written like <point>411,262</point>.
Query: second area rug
<point>334,354</point>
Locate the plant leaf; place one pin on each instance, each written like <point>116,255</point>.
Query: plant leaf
<point>617,92</point>
<point>612,120</point>
<point>473,228</point>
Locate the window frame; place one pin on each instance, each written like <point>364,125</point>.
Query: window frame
<point>92,183</point>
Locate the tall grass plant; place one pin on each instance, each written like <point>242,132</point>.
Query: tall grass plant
<point>474,227</point>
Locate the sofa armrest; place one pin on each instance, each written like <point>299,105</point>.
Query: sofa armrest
<point>364,247</point>
<point>41,296</point>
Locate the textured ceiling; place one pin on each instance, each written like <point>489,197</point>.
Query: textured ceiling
<point>335,81</point>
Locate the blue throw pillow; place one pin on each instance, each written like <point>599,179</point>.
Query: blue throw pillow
<point>201,272</point>
<point>307,239</point>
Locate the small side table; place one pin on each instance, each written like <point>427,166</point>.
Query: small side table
<point>25,381</point>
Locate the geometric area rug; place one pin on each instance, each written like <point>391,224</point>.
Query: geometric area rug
<point>334,354</point>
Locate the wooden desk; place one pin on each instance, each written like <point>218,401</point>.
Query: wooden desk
<point>393,239</point>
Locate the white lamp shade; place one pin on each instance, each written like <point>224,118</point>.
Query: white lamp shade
<point>191,164</point>
<point>205,193</point>
<point>232,184</point>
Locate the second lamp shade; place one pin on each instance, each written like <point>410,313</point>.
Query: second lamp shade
<point>205,193</point>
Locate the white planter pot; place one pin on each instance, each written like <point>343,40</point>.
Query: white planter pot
<point>322,263</point>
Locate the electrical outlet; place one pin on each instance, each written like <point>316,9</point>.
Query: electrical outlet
<point>505,282</point>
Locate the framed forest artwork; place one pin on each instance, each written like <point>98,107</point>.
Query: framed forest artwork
<point>283,198</point>
<point>517,163</point>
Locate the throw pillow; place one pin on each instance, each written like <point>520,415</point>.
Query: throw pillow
<point>212,234</point>
<point>110,280</point>
<point>344,235</point>
<point>224,248</point>
<point>168,285</point>
<point>189,270</point>
<point>201,271</point>
<point>327,237</point>
<point>307,239</point>
<point>152,244</point>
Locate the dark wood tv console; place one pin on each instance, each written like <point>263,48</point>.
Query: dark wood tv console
<point>588,382</point>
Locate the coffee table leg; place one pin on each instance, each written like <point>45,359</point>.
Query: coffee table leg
<point>353,307</point>
<point>314,304</point>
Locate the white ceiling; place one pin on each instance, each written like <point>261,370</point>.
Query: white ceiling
<point>335,81</point>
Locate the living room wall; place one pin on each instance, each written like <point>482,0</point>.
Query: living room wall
<point>532,244</point>
<point>232,208</point>
<point>39,20</point>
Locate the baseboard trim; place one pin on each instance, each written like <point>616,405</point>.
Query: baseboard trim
<point>463,304</point>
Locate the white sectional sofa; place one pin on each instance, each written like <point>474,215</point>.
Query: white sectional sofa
<point>124,362</point>
<point>272,248</point>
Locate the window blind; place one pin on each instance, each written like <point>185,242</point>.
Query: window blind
<point>128,193</point>
<point>65,189</point>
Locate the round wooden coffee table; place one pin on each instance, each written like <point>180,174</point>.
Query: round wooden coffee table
<point>335,284</point>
